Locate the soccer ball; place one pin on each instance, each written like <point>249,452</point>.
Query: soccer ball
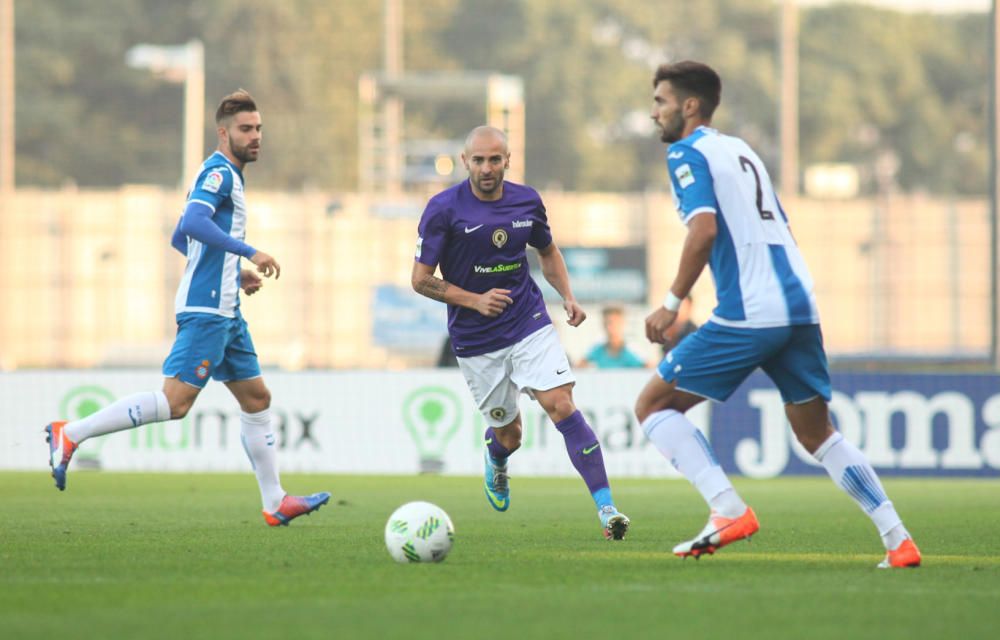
<point>419,532</point>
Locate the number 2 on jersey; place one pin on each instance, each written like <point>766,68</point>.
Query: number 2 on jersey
<point>764,213</point>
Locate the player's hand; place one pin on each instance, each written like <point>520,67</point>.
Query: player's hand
<point>493,302</point>
<point>266,265</point>
<point>657,324</point>
<point>575,315</point>
<point>250,282</point>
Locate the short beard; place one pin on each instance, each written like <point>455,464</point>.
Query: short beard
<point>497,181</point>
<point>241,153</point>
<point>674,130</point>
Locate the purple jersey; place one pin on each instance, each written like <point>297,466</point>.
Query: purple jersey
<point>481,246</point>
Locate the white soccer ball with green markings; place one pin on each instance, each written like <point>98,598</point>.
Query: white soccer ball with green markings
<point>419,532</point>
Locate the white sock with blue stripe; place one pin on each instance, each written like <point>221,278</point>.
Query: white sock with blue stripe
<point>852,472</point>
<point>259,443</point>
<point>687,449</point>
<point>125,413</point>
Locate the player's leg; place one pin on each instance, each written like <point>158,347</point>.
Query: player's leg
<point>500,442</point>
<point>496,397</point>
<point>504,440</point>
<point>540,366</point>
<point>240,371</point>
<point>584,450</point>
<point>197,342</point>
<point>801,374</point>
<point>711,363</point>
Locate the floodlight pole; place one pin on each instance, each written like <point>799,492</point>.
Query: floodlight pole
<point>788,124</point>
<point>994,123</point>
<point>392,62</point>
<point>6,98</point>
<point>194,110</point>
<point>183,63</point>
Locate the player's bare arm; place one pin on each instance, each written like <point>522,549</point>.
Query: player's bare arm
<point>554,269</point>
<point>697,249</point>
<point>490,304</point>
<point>266,265</point>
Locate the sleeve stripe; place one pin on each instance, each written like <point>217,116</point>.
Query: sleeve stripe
<point>698,212</point>
<point>703,210</point>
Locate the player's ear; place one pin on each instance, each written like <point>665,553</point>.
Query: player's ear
<point>691,106</point>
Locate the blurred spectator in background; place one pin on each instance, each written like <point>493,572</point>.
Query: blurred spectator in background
<point>612,353</point>
<point>681,327</point>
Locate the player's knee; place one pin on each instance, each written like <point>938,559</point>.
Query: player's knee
<point>811,439</point>
<point>641,410</point>
<point>258,401</point>
<point>179,408</point>
<point>509,436</point>
<point>561,408</point>
<point>264,399</point>
<point>644,407</point>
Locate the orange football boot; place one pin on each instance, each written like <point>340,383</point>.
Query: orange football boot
<point>718,533</point>
<point>61,451</point>
<point>905,555</point>
<point>292,507</point>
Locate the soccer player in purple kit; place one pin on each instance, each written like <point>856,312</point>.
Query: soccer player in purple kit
<point>478,232</point>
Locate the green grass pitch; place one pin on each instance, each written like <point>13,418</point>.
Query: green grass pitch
<point>188,556</point>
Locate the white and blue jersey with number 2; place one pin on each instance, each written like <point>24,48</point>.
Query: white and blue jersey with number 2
<point>211,280</point>
<point>761,279</point>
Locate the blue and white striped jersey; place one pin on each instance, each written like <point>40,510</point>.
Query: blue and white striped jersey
<point>760,277</point>
<point>211,281</point>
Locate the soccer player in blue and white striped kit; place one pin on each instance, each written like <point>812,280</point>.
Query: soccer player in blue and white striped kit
<point>766,317</point>
<point>212,337</point>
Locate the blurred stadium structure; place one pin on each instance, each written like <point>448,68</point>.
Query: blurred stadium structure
<point>90,276</point>
<point>900,277</point>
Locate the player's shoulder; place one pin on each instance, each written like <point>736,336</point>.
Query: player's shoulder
<point>216,162</point>
<point>521,193</point>
<point>216,171</point>
<point>685,151</point>
<point>445,200</point>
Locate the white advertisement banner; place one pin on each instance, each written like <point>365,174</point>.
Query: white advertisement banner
<point>332,422</point>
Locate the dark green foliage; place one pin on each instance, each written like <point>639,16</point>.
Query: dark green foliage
<point>873,82</point>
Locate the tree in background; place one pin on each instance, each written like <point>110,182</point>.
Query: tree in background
<point>872,82</point>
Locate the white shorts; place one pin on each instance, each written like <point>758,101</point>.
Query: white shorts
<point>536,362</point>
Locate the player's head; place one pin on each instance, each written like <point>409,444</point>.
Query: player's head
<point>614,323</point>
<point>238,126</point>
<point>685,95</point>
<point>486,157</point>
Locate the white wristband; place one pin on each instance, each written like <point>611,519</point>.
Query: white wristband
<point>671,302</point>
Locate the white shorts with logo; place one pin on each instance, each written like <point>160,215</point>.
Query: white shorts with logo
<point>536,362</point>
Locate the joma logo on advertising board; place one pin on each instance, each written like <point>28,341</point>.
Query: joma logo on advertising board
<point>867,419</point>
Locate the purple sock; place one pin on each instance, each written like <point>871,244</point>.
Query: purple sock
<point>585,453</point>
<point>498,452</point>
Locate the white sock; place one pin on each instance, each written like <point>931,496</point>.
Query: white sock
<point>125,413</point>
<point>258,442</point>
<point>852,472</point>
<point>687,449</point>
